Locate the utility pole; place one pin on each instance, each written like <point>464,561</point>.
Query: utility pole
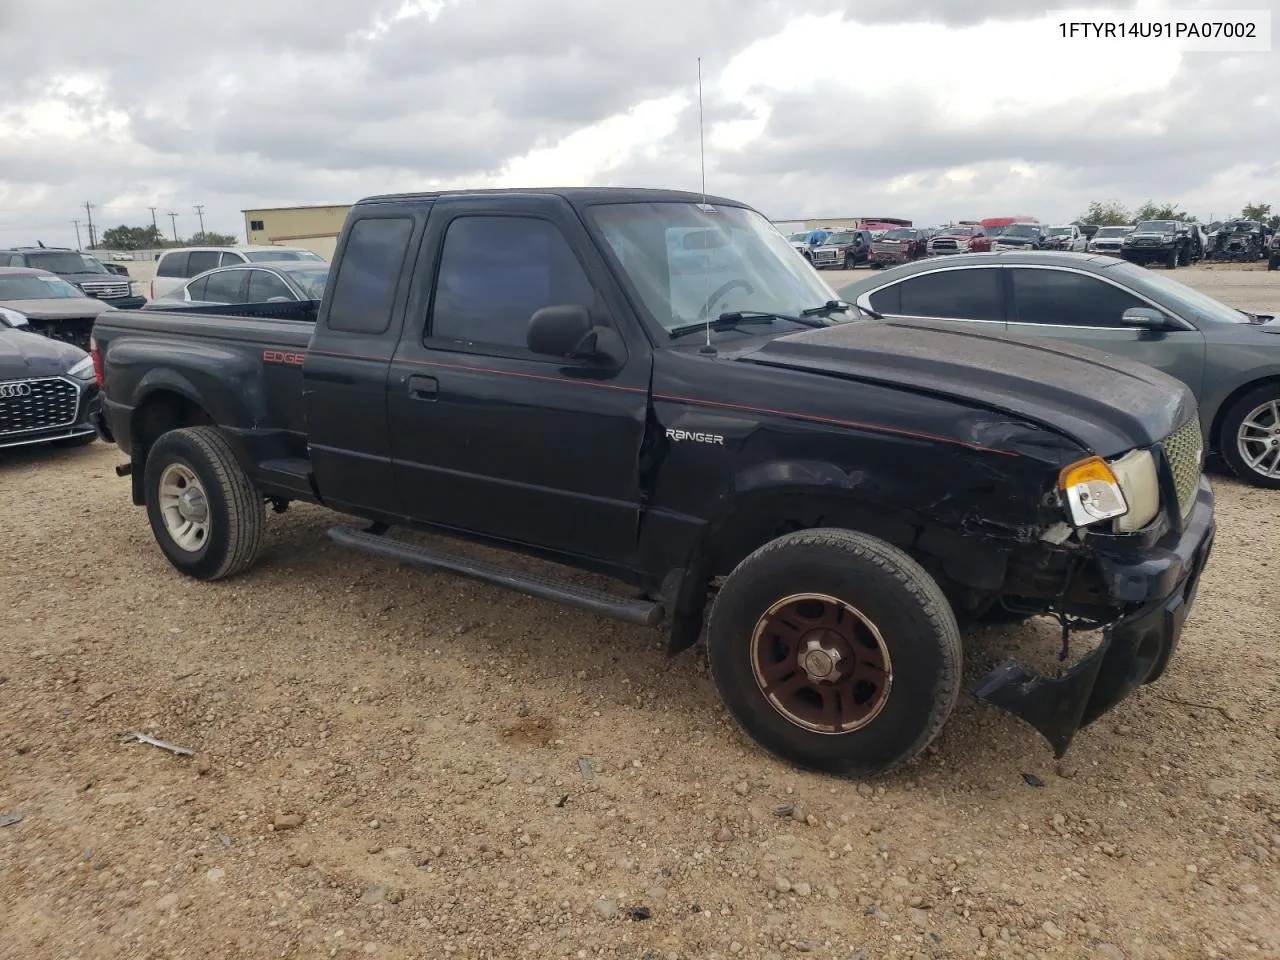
<point>173,218</point>
<point>77,223</point>
<point>153,219</point>
<point>88,209</point>
<point>199,209</point>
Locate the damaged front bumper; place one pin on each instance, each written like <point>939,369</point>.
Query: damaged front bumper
<point>1135,649</point>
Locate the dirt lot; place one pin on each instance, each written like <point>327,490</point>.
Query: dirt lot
<point>391,764</point>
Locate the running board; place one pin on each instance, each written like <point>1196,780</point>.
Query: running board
<point>642,612</point>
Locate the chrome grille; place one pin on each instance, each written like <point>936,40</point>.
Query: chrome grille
<point>1184,449</point>
<point>825,256</point>
<point>106,290</point>
<point>44,404</point>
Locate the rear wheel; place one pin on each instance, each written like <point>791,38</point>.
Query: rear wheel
<point>836,651</point>
<point>204,510</point>
<point>1250,437</point>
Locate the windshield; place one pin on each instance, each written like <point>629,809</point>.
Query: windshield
<point>994,231</point>
<point>1111,232</point>
<point>31,286</point>
<point>310,280</point>
<point>1021,230</point>
<point>1156,226</point>
<point>260,256</point>
<point>64,262</point>
<point>1059,231</point>
<point>842,238</point>
<point>690,262</point>
<point>1178,296</point>
<point>899,235</point>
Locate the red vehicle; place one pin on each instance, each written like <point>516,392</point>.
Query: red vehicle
<point>965,238</point>
<point>993,225</point>
<point>900,245</point>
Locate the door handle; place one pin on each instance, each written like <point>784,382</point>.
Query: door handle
<point>423,388</point>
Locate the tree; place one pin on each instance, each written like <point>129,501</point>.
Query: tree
<point>1165,211</point>
<point>1106,213</point>
<point>130,238</point>
<point>1256,211</point>
<point>212,239</point>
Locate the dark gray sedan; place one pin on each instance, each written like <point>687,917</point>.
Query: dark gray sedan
<point>1229,358</point>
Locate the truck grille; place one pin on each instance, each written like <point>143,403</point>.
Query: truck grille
<point>1184,449</point>
<point>30,405</point>
<point>825,256</point>
<point>947,244</point>
<point>106,289</point>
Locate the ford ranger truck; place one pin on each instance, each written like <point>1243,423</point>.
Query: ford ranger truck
<point>651,386</point>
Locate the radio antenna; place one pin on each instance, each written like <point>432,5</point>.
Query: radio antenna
<point>707,348</point>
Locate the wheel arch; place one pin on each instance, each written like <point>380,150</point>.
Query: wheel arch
<point>966,567</point>
<point>1227,402</point>
<point>166,404</point>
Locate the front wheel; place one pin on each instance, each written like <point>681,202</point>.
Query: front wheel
<point>1250,437</point>
<point>836,651</point>
<point>204,510</point>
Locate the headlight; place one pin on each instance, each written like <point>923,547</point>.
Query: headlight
<point>1093,493</point>
<point>13,318</point>
<point>1126,490</point>
<point>83,370</point>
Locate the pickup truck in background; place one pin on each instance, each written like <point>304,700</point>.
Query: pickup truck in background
<point>651,386</point>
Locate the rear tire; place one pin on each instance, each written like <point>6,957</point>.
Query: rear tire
<point>1255,405</point>
<point>217,531</point>
<point>896,676</point>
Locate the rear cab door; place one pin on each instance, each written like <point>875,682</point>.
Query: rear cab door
<point>346,367</point>
<point>490,438</point>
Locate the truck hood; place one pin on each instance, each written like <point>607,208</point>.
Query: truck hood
<point>58,308</point>
<point>1106,404</point>
<point>24,354</point>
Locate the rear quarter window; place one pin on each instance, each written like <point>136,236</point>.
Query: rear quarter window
<point>368,274</point>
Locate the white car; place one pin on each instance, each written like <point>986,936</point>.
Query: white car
<point>175,267</point>
<point>1066,237</point>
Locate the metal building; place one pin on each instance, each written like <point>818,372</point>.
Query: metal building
<point>313,228</point>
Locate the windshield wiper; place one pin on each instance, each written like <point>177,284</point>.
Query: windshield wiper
<point>837,306</point>
<point>735,318</point>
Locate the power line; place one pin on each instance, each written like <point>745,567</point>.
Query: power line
<point>199,209</point>
<point>173,218</point>
<point>77,223</point>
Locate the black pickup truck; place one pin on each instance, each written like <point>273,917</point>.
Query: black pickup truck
<point>650,385</point>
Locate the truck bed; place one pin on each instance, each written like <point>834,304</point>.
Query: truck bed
<point>252,364</point>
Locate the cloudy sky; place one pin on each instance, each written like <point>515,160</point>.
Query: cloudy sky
<point>929,109</point>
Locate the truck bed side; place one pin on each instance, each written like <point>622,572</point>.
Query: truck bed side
<point>181,368</point>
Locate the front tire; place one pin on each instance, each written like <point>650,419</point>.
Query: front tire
<point>1250,437</point>
<point>836,651</point>
<point>205,513</point>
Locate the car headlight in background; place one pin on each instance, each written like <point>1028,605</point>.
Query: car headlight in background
<point>83,370</point>
<point>1126,490</point>
<point>13,318</point>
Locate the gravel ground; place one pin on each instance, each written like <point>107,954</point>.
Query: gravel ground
<point>394,764</point>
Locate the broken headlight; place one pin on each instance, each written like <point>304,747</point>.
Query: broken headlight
<point>1126,490</point>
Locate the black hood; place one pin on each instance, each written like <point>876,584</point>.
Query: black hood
<point>1106,404</point>
<point>24,354</point>
<point>1012,238</point>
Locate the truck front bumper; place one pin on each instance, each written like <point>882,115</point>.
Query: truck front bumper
<point>1135,649</point>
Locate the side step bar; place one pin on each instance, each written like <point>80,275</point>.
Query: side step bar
<point>642,612</point>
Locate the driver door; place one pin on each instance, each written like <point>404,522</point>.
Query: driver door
<point>490,438</point>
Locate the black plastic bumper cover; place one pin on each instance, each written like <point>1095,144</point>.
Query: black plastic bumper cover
<point>1134,650</point>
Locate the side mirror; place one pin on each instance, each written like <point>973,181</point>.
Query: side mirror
<point>563,330</point>
<point>1146,317</point>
